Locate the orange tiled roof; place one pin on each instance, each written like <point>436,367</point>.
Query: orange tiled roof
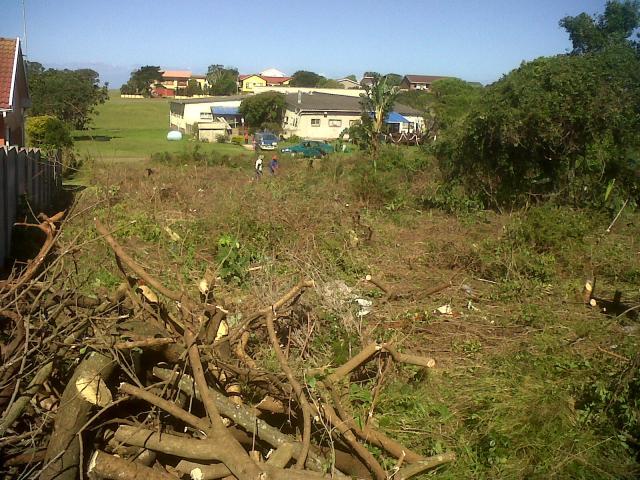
<point>7,59</point>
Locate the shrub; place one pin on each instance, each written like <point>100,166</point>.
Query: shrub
<point>221,138</point>
<point>563,125</point>
<point>236,139</point>
<point>48,132</point>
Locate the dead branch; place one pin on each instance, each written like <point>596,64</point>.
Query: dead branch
<point>73,413</point>
<point>105,466</point>
<point>302,399</point>
<point>414,469</point>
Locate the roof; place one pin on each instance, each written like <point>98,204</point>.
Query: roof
<point>272,72</point>
<point>8,61</point>
<point>176,73</point>
<point>337,103</point>
<point>275,79</point>
<point>219,98</point>
<point>245,76</point>
<point>423,78</point>
<point>219,110</point>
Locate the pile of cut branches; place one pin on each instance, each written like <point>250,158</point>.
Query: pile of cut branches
<point>149,382</point>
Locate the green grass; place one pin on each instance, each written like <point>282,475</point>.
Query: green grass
<point>130,128</point>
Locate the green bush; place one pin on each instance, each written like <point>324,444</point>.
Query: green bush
<point>48,132</point>
<point>565,126</point>
<point>238,140</point>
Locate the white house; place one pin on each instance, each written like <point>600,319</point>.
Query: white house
<point>321,116</point>
<point>197,114</point>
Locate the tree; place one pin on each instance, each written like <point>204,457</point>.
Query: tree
<point>377,103</point>
<point>303,78</point>
<point>329,83</point>
<point>48,132</point>
<point>142,81</point>
<point>69,95</point>
<point>393,79</point>
<point>193,88</point>
<point>352,77</point>
<point>614,27</point>
<point>565,124</point>
<point>263,109</point>
<point>222,80</point>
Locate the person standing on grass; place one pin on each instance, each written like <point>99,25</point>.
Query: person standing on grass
<point>259,167</point>
<point>273,166</point>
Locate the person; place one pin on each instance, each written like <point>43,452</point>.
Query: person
<point>259,167</point>
<point>273,166</point>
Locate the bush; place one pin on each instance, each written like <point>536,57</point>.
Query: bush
<point>563,125</point>
<point>221,138</point>
<point>238,140</point>
<point>48,132</point>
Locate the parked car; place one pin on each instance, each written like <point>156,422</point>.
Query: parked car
<point>265,140</point>
<point>309,149</point>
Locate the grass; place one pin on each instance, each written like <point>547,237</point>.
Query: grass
<point>133,129</point>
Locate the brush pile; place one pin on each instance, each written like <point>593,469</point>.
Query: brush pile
<point>149,382</point>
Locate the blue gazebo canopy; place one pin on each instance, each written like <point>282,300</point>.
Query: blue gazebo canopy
<point>395,117</point>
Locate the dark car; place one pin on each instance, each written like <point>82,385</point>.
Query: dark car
<point>266,140</point>
<point>310,149</point>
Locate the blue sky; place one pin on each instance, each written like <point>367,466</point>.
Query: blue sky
<point>472,39</point>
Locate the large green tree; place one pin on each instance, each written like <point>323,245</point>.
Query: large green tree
<point>567,124</point>
<point>70,95</point>
<point>303,78</point>
<point>263,110</point>
<point>142,80</point>
<point>614,27</point>
<point>222,80</point>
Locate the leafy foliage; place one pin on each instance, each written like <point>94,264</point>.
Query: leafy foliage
<point>48,132</point>
<point>70,95</point>
<point>264,108</point>
<point>614,27</point>
<point>232,259</point>
<point>558,124</point>
<point>303,78</point>
<point>378,104</point>
<point>142,80</point>
<point>222,80</point>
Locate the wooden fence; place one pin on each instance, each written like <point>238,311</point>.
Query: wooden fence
<point>26,178</point>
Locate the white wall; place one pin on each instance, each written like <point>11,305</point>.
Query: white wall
<point>332,91</point>
<point>301,125</point>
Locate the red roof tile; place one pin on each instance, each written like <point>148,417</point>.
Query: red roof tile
<point>275,79</point>
<point>7,60</point>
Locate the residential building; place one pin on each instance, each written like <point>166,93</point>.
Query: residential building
<point>272,72</point>
<point>419,82</point>
<point>321,116</point>
<point>175,80</point>
<point>247,83</point>
<point>349,84</point>
<point>209,116</point>
<point>14,93</point>
<point>366,81</point>
<point>288,89</point>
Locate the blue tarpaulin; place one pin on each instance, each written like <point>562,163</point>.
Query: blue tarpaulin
<point>395,117</point>
<point>225,110</point>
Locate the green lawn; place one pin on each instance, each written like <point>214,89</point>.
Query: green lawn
<point>129,128</point>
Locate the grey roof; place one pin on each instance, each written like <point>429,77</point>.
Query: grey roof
<point>220,98</point>
<point>319,102</point>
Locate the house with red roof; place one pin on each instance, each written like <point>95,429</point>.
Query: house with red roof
<point>175,80</point>
<point>14,93</point>
<point>418,82</point>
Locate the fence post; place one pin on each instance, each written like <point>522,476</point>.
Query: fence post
<point>3,206</point>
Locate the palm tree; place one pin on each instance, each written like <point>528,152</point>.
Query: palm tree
<point>377,104</point>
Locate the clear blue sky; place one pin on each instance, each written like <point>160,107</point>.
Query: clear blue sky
<point>472,39</point>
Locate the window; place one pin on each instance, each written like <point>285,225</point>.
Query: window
<point>286,120</point>
<point>315,122</point>
<point>206,116</point>
<point>353,122</point>
<point>334,122</point>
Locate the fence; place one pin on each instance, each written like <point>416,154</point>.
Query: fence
<point>25,174</point>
